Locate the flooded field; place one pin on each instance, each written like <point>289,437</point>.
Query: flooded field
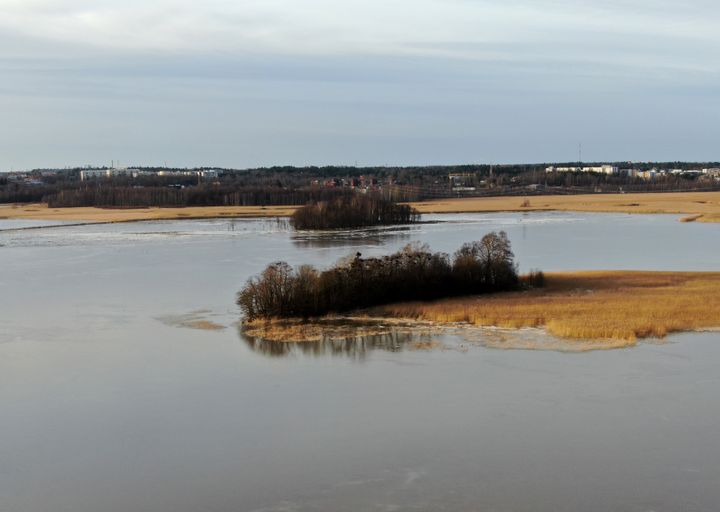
<point>125,383</point>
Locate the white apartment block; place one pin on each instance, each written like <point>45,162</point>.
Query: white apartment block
<point>602,169</point>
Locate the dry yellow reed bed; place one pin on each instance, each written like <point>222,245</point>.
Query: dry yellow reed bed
<point>91,214</point>
<point>615,305</point>
<point>704,205</point>
<point>709,217</point>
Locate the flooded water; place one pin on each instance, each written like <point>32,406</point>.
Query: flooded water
<point>125,385</point>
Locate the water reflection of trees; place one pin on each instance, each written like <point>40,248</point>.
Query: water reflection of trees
<point>354,238</point>
<point>353,347</point>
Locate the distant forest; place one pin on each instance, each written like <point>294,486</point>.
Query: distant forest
<point>300,185</point>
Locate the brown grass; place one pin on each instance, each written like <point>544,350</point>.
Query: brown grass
<point>89,214</point>
<point>709,217</point>
<point>704,204</point>
<point>614,305</point>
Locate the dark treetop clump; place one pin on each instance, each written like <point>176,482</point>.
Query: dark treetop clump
<point>352,211</point>
<point>413,273</point>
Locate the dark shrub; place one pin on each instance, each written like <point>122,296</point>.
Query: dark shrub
<point>534,279</point>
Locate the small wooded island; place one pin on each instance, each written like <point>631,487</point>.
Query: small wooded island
<point>351,210</point>
<point>413,273</point>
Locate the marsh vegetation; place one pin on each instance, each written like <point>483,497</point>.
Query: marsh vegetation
<point>614,305</point>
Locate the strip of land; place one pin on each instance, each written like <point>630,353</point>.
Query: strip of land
<point>698,206</point>
<point>92,214</point>
<point>612,305</point>
<point>589,310</point>
<point>695,206</point>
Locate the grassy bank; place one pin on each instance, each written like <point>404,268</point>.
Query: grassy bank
<point>613,305</point>
<point>703,206</point>
<point>91,214</point>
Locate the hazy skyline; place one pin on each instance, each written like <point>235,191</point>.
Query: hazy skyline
<point>253,83</point>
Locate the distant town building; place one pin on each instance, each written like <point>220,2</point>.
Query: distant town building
<point>87,174</point>
<point>462,182</point>
<point>210,174</point>
<point>205,173</point>
<point>602,169</point>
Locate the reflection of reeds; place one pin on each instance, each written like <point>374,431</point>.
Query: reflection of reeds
<point>620,305</point>
<point>337,338</point>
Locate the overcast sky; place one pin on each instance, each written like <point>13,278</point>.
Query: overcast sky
<point>262,82</point>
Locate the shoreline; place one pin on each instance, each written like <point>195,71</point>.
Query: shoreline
<point>597,309</point>
<point>695,206</point>
<point>94,215</point>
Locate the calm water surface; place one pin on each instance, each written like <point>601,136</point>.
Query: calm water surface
<point>107,408</point>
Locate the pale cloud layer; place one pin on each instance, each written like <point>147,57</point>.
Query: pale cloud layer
<point>255,82</point>
<point>329,27</point>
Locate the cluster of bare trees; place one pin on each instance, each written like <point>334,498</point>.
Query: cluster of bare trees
<point>352,211</point>
<point>413,273</point>
<point>19,193</point>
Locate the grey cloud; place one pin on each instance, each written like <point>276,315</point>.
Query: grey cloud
<point>516,93</point>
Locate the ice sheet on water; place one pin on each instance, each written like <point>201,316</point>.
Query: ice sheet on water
<point>57,235</point>
<point>13,224</point>
<point>508,219</point>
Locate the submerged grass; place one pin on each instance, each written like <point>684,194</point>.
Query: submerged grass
<point>614,305</point>
<point>193,320</point>
<point>325,328</point>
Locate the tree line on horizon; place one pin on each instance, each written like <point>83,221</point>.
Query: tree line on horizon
<point>200,195</point>
<point>298,185</point>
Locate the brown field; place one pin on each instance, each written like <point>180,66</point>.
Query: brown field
<point>705,206</point>
<point>697,206</point>
<point>603,305</point>
<point>89,214</point>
